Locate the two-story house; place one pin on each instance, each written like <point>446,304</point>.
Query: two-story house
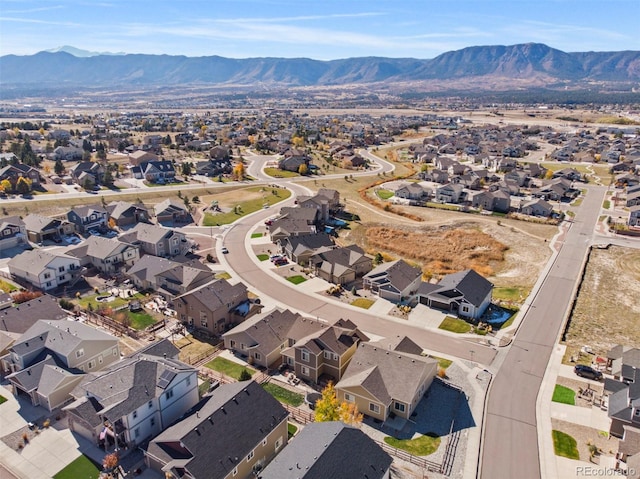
<point>341,265</point>
<point>171,211</point>
<point>88,217</point>
<point>12,232</point>
<point>393,281</point>
<point>161,171</point>
<point>157,240</point>
<point>42,228</point>
<point>45,270</point>
<point>123,213</point>
<point>451,193</point>
<point>108,256</point>
<point>215,307</point>
<point>167,277</point>
<point>133,400</point>
<point>231,434</point>
<point>14,172</point>
<point>51,358</point>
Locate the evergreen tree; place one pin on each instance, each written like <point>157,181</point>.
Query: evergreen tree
<point>58,167</point>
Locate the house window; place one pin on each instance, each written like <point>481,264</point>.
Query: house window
<point>137,432</point>
<point>327,354</point>
<point>135,414</point>
<point>374,408</point>
<point>242,346</point>
<point>264,441</point>
<point>100,359</point>
<point>150,404</point>
<point>465,309</point>
<point>235,471</point>
<point>169,394</point>
<point>250,456</point>
<point>290,361</point>
<point>79,353</point>
<point>637,412</point>
<point>304,371</point>
<point>203,324</point>
<point>61,278</point>
<point>305,356</point>
<point>61,269</point>
<point>232,344</point>
<point>92,364</point>
<point>115,351</point>
<point>188,380</point>
<point>153,421</point>
<point>48,284</point>
<point>398,406</point>
<point>278,443</point>
<point>349,397</point>
<point>257,356</point>
<point>47,275</point>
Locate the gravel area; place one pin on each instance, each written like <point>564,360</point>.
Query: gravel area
<point>583,434</point>
<point>576,385</point>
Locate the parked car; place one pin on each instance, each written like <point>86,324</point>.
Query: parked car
<point>94,232</point>
<point>111,234</point>
<point>72,240</point>
<point>281,262</point>
<point>587,372</point>
<point>224,250</point>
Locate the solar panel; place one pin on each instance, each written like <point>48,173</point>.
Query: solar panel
<point>165,378</point>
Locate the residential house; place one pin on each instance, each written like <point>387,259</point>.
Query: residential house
<point>293,163</point>
<point>87,171</point>
<point>310,215</point>
<point>464,293</point>
<point>284,227</point>
<point>393,281</point>
<point>161,171</point>
<point>633,198</point>
<point>171,211</point>
<point>570,174</point>
<point>17,319</point>
<point>299,249</point>
<point>498,200</point>
<point>108,256</point>
<point>133,400</point>
<point>45,270</point>
<point>51,358</point>
<point>20,170</point>
<point>555,190</point>
<point>624,399</point>
<point>12,232</point>
<point>123,213</point>
<point>68,153</point>
<point>382,380</point>
<point>537,207</point>
<point>220,153</point>
<point>88,217</point>
<point>450,193</point>
<point>215,307</point>
<point>264,338</point>
<point>212,168</point>
<point>157,240</point>
<point>634,216</point>
<point>324,353</point>
<point>326,201</point>
<point>330,449</point>
<point>230,434</point>
<point>169,277</point>
<point>42,228</point>
<point>341,265</point>
<point>411,191</point>
<point>140,156</point>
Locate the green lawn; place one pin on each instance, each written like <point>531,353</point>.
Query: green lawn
<point>455,325</point>
<point>116,303</point>
<point>3,399</point>
<point>284,395</point>
<point>297,279</point>
<point>510,294</point>
<point>7,287</point>
<point>564,395</point>
<point>140,319</point>
<point>420,446</point>
<point>256,235</point>
<point>443,363</point>
<point>204,386</point>
<point>278,173</point>
<point>384,194</point>
<point>511,319</point>
<point>442,206</point>
<point>263,257</point>
<point>363,303</point>
<point>291,429</point>
<point>247,207</point>
<point>565,445</point>
<point>229,368</point>
<point>80,468</point>
<point>606,205</point>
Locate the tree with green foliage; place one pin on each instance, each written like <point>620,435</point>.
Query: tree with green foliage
<point>58,167</point>
<point>23,185</point>
<point>108,177</point>
<point>378,259</point>
<point>186,168</point>
<point>245,375</point>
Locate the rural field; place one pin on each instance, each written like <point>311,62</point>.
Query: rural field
<point>607,311</point>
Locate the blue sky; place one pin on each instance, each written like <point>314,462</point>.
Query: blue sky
<point>321,29</point>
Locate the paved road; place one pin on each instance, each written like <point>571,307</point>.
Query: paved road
<point>241,262</point>
<point>510,442</point>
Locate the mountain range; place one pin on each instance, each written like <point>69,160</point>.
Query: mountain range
<point>523,62</point>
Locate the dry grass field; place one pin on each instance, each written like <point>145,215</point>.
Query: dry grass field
<point>607,311</point>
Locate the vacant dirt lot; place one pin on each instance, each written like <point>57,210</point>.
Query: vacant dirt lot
<point>607,311</point>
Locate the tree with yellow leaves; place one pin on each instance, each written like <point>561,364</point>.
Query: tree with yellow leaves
<point>328,408</point>
<point>238,171</point>
<point>298,141</point>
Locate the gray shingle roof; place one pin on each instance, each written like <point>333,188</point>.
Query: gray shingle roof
<point>470,284</point>
<point>39,223</point>
<point>397,274</point>
<point>387,374</point>
<point>221,430</point>
<point>35,261</point>
<point>19,318</point>
<point>329,450</point>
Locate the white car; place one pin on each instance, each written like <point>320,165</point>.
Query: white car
<point>224,250</point>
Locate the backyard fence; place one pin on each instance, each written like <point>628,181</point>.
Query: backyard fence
<point>410,458</point>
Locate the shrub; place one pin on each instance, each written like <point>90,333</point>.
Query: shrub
<point>245,375</point>
<point>66,304</point>
<point>24,296</point>
<point>46,423</point>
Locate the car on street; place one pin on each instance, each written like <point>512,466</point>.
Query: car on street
<point>224,250</point>
<point>587,372</point>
